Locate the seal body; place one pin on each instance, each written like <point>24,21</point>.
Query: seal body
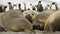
<point>12,20</point>
<point>53,22</point>
<point>42,17</point>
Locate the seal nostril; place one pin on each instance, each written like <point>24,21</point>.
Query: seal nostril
<point>29,17</point>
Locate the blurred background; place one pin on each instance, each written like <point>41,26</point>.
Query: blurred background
<point>28,2</point>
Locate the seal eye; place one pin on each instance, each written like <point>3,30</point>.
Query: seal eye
<point>25,13</point>
<point>32,14</point>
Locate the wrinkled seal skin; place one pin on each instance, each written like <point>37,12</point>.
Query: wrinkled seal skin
<point>52,24</point>
<point>12,20</point>
<point>41,18</point>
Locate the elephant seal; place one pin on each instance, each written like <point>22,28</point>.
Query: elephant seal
<point>53,22</point>
<point>12,20</point>
<point>41,18</point>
